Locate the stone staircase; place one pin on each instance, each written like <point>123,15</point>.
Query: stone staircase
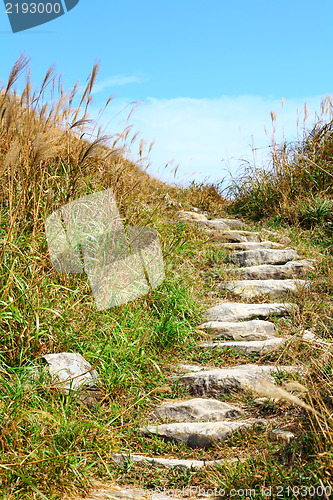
<point>265,270</point>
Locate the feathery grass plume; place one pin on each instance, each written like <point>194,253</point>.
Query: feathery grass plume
<point>270,390</point>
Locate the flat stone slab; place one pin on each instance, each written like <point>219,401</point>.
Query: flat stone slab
<point>234,236</point>
<point>285,240</point>
<point>223,224</point>
<point>234,223</point>
<point>248,347</point>
<point>70,371</point>
<point>273,289</point>
<point>196,410</point>
<point>252,245</point>
<point>263,256</point>
<point>154,492</point>
<point>255,329</point>
<point>237,311</point>
<point>198,435</point>
<point>219,381</point>
<point>121,458</point>
<point>293,269</point>
<point>192,216</point>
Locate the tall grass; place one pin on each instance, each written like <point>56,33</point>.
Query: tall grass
<point>52,153</point>
<point>298,185</point>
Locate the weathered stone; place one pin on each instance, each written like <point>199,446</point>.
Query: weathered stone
<point>294,269</point>
<point>234,223</point>
<point>251,245</point>
<point>184,368</point>
<point>264,256</point>
<point>233,311</point>
<point>196,410</point>
<point>122,458</point>
<point>217,224</point>
<point>284,437</point>
<point>198,435</point>
<point>71,371</point>
<point>285,240</point>
<point>248,347</point>
<point>307,335</point>
<point>246,330</point>
<point>219,381</point>
<point>273,289</point>
<point>192,216</point>
<point>233,236</point>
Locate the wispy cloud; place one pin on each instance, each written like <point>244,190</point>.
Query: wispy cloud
<point>207,137</point>
<point>118,81</point>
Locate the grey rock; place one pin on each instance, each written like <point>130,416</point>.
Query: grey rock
<point>121,458</point>
<point>233,311</point>
<point>251,245</point>
<point>233,236</point>
<point>192,216</point>
<point>248,347</point>
<point>190,368</point>
<point>307,335</point>
<point>294,269</point>
<point>116,492</point>
<point>70,371</point>
<point>284,437</point>
<point>264,256</point>
<point>246,330</point>
<point>234,223</point>
<point>219,381</point>
<point>273,289</point>
<point>227,224</point>
<point>196,410</point>
<point>199,435</point>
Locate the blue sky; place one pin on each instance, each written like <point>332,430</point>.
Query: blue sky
<point>208,73</point>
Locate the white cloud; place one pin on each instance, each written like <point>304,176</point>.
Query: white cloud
<point>117,81</point>
<point>206,136</point>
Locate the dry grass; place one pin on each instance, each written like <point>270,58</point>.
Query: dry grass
<point>55,446</point>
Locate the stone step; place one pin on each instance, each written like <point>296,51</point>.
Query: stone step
<point>195,410</point>
<point>199,434</point>
<point>218,223</point>
<point>237,311</point>
<point>273,289</point>
<point>122,458</point>
<point>248,347</point>
<point>233,236</point>
<point>217,381</point>
<point>263,256</point>
<point>255,329</point>
<point>293,269</point>
<point>252,245</point>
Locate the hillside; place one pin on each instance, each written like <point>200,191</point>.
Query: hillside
<point>159,347</point>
